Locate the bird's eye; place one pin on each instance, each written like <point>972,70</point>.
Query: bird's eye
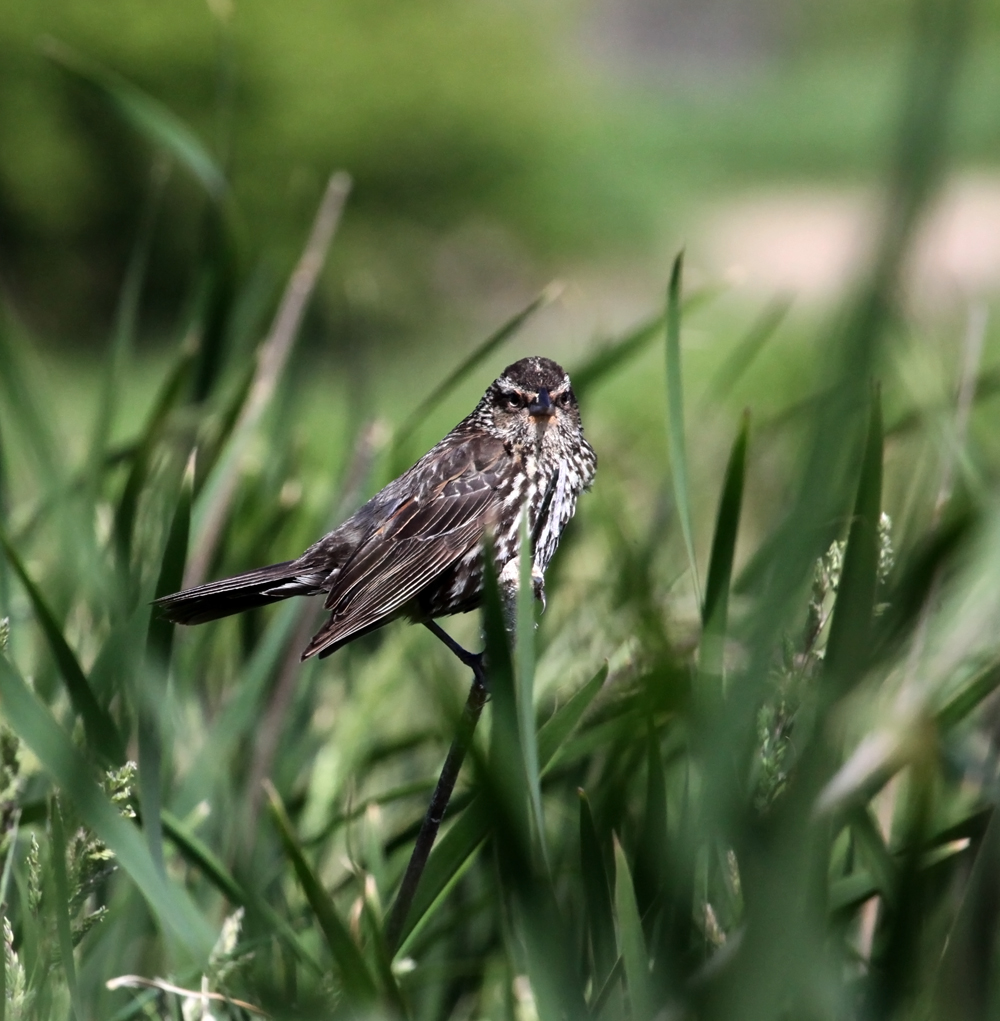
<point>514,401</point>
<point>565,399</point>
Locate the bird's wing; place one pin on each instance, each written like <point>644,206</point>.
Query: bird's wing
<point>454,495</point>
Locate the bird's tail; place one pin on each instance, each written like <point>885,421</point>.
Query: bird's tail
<point>234,595</point>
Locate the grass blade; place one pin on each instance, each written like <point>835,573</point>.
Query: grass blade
<point>54,748</point>
<point>455,848</point>
<point>715,612</point>
<point>354,973</point>
<point>148,116</point>
<point>971,694</point>
<point>614,354</point>
<point>61,907</point>
<point>102,734</point>
<point>633,943</point>
<point>125,322</point>
<point>505,776</point>
<point>450,857</point>
<point>27,410</point>
<point>153,681</point>
<point>872,847</point>
<point>727,522</point>
<point>675,416</point>
<point>159,639</point>
<point>173,388</point>
<point>597,896</point>
<point>203,858</point>
<point>524,651</point>
<point>736,364</point>
<point>556,730</point>
<point>479,355</point>
<point>850,630</point>
<point>651,852</point>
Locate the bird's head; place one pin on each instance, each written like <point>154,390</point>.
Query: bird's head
<point>532,404</point>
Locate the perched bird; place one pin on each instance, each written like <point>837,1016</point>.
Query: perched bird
<point>416,548</point>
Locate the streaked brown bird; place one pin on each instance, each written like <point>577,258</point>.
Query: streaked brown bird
<point>416,548</point>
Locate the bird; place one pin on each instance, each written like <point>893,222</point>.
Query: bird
<point>416,549</point>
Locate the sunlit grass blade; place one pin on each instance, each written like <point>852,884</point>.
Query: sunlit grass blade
<point>54,748</point>
<point>597,896</point>
<point>103,738</point>
<point>351,965</point>
<point>675,416</point>
<point>632,941</point>
<point>524,882</point>
<point>848,646</point>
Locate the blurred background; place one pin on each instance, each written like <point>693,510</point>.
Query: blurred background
<point>493,146</point>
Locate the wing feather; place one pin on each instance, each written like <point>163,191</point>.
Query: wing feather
<point>422,538</point>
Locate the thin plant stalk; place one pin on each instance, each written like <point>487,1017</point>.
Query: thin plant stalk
<point>478,695</point>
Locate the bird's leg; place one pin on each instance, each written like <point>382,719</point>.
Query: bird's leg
<point>473,660</point>
<point>478,695</point>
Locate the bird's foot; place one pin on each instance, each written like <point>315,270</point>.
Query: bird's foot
<point>475,661</point>
<point>538,584</point>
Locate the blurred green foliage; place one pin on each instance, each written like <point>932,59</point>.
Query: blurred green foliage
<point>485,141</point>
<point>440,112</point>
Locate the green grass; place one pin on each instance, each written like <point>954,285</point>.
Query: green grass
<point>744,772</point>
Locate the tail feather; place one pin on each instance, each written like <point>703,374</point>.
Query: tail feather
<point>234,595</point>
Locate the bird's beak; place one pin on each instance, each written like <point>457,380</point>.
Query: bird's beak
<point>541,406</point>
